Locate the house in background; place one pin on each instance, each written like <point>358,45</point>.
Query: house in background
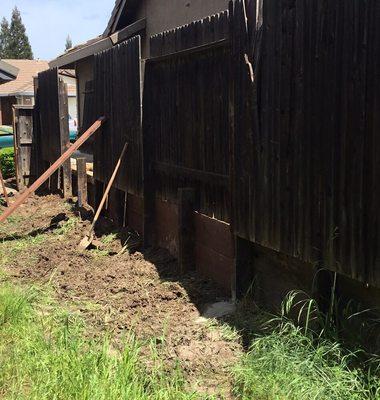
<point>7,72</point>
<point>130,18</point>
<point>16,85</point>
<point>68,76</point>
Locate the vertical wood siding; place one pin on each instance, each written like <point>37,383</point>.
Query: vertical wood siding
<point>275,125</point>
<point>48,106</point>
<point>186,100</point>
<point>306,156</point>
<point>116,94</point>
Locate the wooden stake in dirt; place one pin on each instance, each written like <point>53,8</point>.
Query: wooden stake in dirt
<point>87,240</point>
<point>82,182</point>
<point>45,176</point>
<point>4,188</point>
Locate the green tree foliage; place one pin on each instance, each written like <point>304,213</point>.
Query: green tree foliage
<point>14,42</point>
<point>4,38</point>
<point>69,43</point>
<point>7,162</point>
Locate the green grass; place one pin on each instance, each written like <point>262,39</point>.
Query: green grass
<point>45,355</point>
<point>108,239</point>
<point>66,227</point>
<point>287,365</point>
<point>297,358</point>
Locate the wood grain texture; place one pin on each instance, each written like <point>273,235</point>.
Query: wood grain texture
<point>116,94</point>
<point>305,160</point>
<point>82,182</point>
<point>186,115</point>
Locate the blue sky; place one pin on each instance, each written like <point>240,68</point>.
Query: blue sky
<point>48,22</point>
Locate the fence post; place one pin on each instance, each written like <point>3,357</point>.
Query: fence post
<point>37,154</point>
<point>65,137</point>
<point>82,182</point>
<point>17,158</point>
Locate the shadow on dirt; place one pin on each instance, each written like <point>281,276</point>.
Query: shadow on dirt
<point>54,224</point>
<point>201,291</point>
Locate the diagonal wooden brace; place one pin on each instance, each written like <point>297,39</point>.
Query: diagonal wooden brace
<point>45,176</point>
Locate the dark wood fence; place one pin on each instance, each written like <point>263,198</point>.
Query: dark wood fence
<point>269,112</point>
<point>52,130</point>
<point>117,96</point>
<point>26,146</point>
<point>186,123</point>
<point>306,159</point>
<point>48,93</point>
<point>88,107</point>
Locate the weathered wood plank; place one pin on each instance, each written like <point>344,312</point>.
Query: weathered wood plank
<point>188,133</point>
<point>116,91</point>
<point>82,182</point>
<point>314,153</point>
<point>64,137</point>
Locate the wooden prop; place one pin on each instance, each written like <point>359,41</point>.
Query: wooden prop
<point>45,176</point>
<point>87,240</point>
<point>82,181</point>
<point>4,188</point>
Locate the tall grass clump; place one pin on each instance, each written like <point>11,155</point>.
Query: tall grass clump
<point>46,354</point>
<point>295,357</point>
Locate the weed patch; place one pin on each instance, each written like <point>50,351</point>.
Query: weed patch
<point>300,360</point>
<point>288,365</point>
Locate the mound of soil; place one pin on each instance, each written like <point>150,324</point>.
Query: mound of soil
<point>118,292</point>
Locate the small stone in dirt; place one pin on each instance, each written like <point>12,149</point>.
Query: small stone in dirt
<point>220,309</point>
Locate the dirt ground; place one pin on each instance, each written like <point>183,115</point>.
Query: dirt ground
<point>121,291</point>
